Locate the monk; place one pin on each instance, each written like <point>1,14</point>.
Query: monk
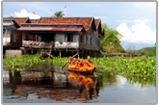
<point>69,62</point>
<point>80,65</point>
<point>77,62</point>
<point>73,63</point>
<point>89,63</point>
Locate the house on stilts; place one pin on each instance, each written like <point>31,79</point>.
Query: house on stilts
<point>58,36</point>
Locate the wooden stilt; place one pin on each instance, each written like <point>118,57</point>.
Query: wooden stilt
<point>37,51</point>
<point>24,51</point>
<point>78,54</point>
<point>60,53</point>
<point>82,53</point>
<point>31,51</point>
<point>95,53</point>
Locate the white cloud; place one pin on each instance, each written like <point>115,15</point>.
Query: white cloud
<point>121,81</point>
<point>101,17</point>
<point>137,33</point>
<point>24,13</point>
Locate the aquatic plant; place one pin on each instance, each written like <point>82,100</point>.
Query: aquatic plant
<point>126,66</point>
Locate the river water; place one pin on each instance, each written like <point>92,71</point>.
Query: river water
<point>55,86</point>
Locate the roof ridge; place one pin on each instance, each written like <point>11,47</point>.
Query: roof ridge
<point>67,17</point>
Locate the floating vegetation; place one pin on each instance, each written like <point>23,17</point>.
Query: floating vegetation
<point>126,66</point>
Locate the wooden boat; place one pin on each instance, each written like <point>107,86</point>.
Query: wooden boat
<point>87,72</point>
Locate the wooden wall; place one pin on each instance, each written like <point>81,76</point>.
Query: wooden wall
<point>13,52</point>
<point>86,46</point>
<point>18,42</point>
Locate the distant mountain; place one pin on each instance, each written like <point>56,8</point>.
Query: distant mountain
<point>149,51</point>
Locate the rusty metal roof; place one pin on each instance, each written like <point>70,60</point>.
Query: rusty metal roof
<point>50,28</point>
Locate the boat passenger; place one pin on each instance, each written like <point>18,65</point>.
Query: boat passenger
<point>80,64</point>
<point>73,63</point>
<point>69,62</point>
<point>88,64</point>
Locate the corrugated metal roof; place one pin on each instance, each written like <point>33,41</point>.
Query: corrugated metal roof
<point>35,28</point>
<point>67,28</point>
<point>8,24</point>
<point>51,28</point>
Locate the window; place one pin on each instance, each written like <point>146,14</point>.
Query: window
<point>85,38</point>
<point>88,39</point>
<point>14,38</point>
<point>98,42</point>
<point>68,38</point>
<point>91,40</point>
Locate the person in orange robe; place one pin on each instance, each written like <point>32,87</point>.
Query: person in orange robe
<point>69,62</point>
<point>80,64</point>
<point>73,63</point>
<point>88,64</point>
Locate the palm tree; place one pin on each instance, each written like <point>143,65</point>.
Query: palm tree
<point>58,14</point>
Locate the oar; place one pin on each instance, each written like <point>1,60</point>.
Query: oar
<point>66,62</point>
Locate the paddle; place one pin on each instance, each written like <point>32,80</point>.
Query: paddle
<point>66,62</point>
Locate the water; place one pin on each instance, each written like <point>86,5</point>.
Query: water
<point>54,86</point>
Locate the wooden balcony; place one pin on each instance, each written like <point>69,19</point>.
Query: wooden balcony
<point>36,44</point>
<point>74,45</point>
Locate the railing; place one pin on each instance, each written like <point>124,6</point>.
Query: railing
<point>66,44</point>
<point>36,44</point>
<point>49,44</point>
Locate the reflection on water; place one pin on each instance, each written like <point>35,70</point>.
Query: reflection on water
<point>50,85</point>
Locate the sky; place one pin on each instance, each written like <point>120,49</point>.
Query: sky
<point>136,21</point>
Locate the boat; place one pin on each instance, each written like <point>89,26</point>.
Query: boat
<point>87,72</point>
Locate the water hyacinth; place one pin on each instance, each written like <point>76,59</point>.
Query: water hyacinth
<point>138,66</point>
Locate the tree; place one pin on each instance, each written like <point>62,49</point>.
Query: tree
<point>131,49</point>
<point>110,41</point>
<point>58,14</point>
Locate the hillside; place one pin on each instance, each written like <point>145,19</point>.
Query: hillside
<point>150,51</point>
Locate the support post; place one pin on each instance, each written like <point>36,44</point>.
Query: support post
<point>24,51</point>
<point>60,53</point>
<point>95,53</point>
<point>31,51</point>
<point>78,53</point>
<point>82,53</point>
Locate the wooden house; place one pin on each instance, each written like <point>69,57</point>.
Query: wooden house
<point>64,34</point>
<point>12,38</point>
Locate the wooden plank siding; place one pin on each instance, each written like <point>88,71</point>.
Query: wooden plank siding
<point>18,34</point>
<point>86,46</point>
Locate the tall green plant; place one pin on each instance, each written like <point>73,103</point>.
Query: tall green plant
<point>110,42</point>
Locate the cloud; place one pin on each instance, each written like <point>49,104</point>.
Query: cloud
<point>101,17</point>
<point>25,13</point>
<point>121,81</point>
<point>137,33</point>
<point>134,21</point>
